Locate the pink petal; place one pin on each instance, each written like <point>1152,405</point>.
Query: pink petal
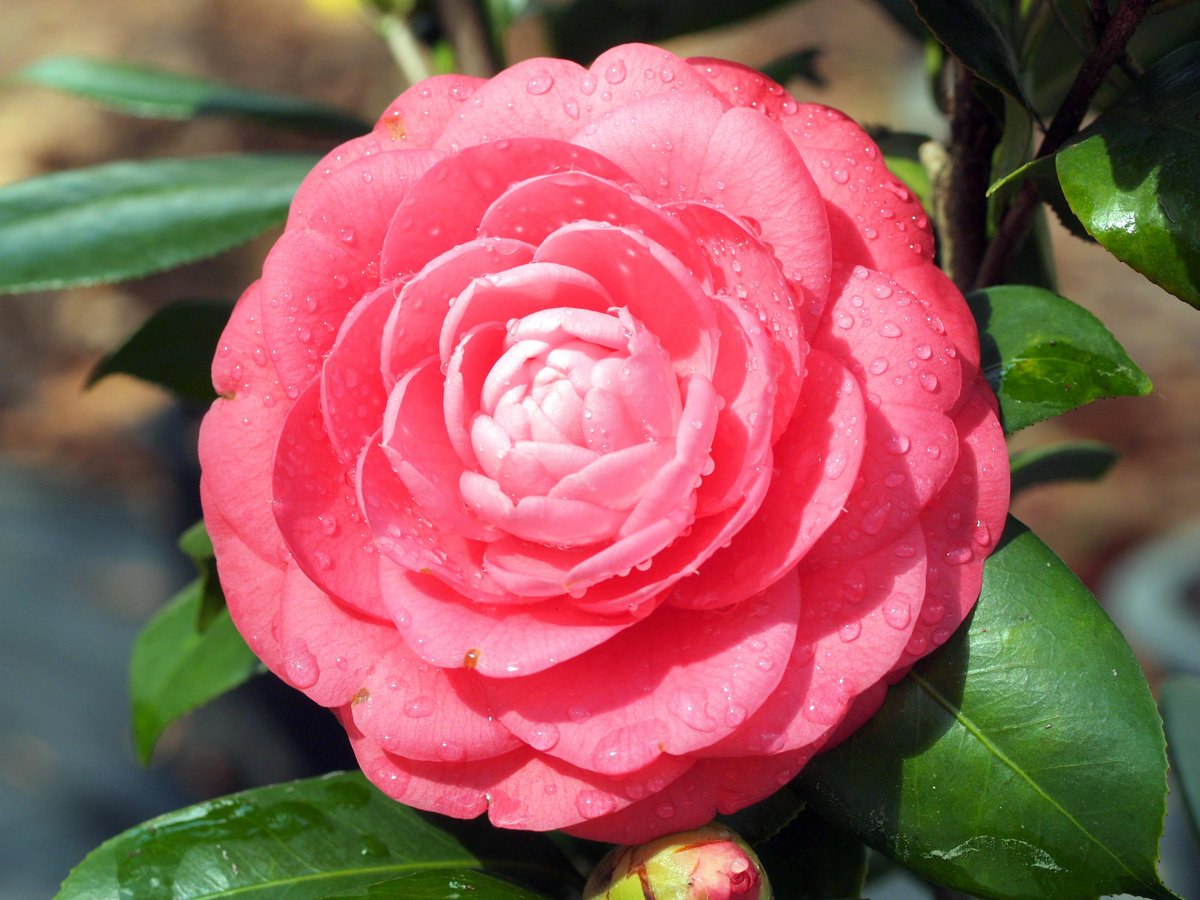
<point>404,533</point>
<point>555,98</point>
<point>253,586</point>
<point>742,86</point>
<point>855,622</point>
<point>615,479</point>
<point>652,284</point>
<point>466,374</point>
<point>744,268</point>
<point>415,442</point>
<point>520,292</point>
<point>819,456</point>
<point>317,511</point>
<point>678,681</point>
<point>421,712</point>
<point>963,524</point>
<point>352,392</point>
<point>328,651</point>
<point>239,433</point>
<point>874,218</point>
<point>745,379</point>
<point>310,283</point>
<point>734,158</point>
<point>521,789</point>
<point>709,787</point>
<point>418,116</point>
<point>931,286</point>
<point>533,209</point>
<point>450,631</point>
<point>425,225</point>
<point>411,333</point>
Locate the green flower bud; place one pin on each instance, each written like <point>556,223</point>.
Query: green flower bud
<point>709,863</point>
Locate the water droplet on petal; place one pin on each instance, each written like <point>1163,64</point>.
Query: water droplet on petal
<point>850,631</point>
<point>543,736</point>
<point>958,554</point>
<point>540,83</point>
<point>890,330</point>
<point>418,707</point>
<point>615,73</point>
<point>898,444</point>
<point>301,667</point>
<point>688,706</point>
<point>592,804</point>
<point>897,613</point>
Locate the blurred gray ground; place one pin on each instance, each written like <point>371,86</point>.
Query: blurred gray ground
<point>95,485</point>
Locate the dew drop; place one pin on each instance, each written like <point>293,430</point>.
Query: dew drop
<point>587,87</point>
<point>841,176</point>
<point>929,381</point>
<point>543,736</point>
<point>329,524</point>
<point>897,613</point>
<point>922,351</point>
<point>878,366</point>
<point>616,72</point>
<point>850,631</point>
<point>540,83</point>
<point>664,810</point>
<point>898,444</point>
<point>579,713</point>
<point>688,707</point>
<point>419,707</point>
<point>302,671</point>
<point>890,330</point>
<point>958,554</point>
<point>592,804</point>
<point>982,534</point>
<point>571,108</point>
<point>882,291</point>
<point>450,751</point>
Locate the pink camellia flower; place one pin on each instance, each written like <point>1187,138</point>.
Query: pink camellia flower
<point>600,442</point>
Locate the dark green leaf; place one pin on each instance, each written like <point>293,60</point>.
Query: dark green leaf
<point>450,884</point>
<point>174,348</point>
<point>178,665</point>
<point>1130,176</point>
<point>1180,701</point>
<point>978,32</point>
<point>1024,759</point>
<point>196,544</point>
<point>1074,461</point>
<point>1044,355</point>
<point>127,219</point>
<point>812,859</point>
<point>584,29</point>
<point>153,93</point>
<point>307,839</point>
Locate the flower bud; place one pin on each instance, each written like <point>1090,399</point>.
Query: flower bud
<point>709,863</point>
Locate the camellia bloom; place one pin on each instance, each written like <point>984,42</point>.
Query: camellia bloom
<point>599,443</point>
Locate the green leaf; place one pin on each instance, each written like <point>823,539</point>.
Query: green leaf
<point>196,544</point>
<point>179,664</point>
<point>1130,176</point>
<point>1073,461</point>
<point>812,859</point>
<point>1024,759</point>
<point>127,219</point>
<point>308,839</point>
<point>978,32</point>
<point>441,885</point>
<point>1180,700</point>
<point>174,348</point>
<point>1044,355</point>
<point>153,93</point>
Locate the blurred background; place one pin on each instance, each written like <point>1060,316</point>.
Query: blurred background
<point>95,484</point>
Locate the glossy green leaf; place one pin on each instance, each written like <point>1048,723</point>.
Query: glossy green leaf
<point>316,838</point>
<point>810,858</point>
<point>178,664</point>
<point>1044,355</point>
<point>153,93</point>
<point>127,219</point>
<point>174,349</point>
<point>1073,461</point>
<point>978,32</point>
<point>1130,176</point>
<point>1024,759</point>
<point>1180,700</point>
<point>451,884</point>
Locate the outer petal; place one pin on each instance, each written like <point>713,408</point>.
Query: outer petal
<point>418,116</point>
<point>498,641</point>
<point>555,98</point>
<point>239,433</point>
<point>317,511</point>
<point>821,452</point>
<point>673,684</point>
<point>735,158</point>
<point>521,789</point>
<point>709,787</point>
<point>421,712</point>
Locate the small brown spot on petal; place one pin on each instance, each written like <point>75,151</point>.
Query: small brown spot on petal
<point>395,127</point>
<point>358,698</point>
<point>471,658</point>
